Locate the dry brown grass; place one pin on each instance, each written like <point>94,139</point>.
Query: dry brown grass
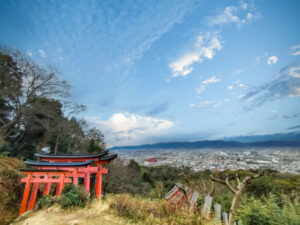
<point>10,188</point>
<point>146,211</point>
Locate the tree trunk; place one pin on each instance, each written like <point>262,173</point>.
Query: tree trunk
<point>56,144</point>
<point>235,202</point>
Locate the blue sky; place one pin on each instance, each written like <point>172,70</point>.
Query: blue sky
<point>152,71</point>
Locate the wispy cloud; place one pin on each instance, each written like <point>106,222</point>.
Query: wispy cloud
<point>285,84</point>
<point>42,53</point>
<point>294,127</point>
<point>206,104</point>
<point>204,47</point>
<point>205,83</point>
<point>260,57</point>
<point>29,53</point>
<point>159,109</point>
<point>127,129</point>
<point>291,116</point>
<point>272,60</point>
<point>296,50</point>
<point>240,84</point>
<point>236,14</point>
<point>238,71</point>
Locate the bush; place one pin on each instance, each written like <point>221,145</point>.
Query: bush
<point>146,211</point>
<point>266,211</point>
<point>72,196</point>
<point>46,201</point>
<point>11,188</point>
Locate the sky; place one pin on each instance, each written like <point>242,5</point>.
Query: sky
<point>152,71</point>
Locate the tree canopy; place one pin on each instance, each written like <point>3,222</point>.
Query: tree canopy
<point>37,110</point>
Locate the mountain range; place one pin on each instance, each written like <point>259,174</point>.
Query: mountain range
<point>266,141</point>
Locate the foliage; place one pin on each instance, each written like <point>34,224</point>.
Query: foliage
<point>146,211</point>
<point>10,188</point>
<point>266,211</point>
<point>36,111</point>
<point>46,201</point>
<point>73,196</point>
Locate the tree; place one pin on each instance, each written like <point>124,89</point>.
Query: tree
<point>22,83</point>
<point>96,139</point>
<point>237,191</point>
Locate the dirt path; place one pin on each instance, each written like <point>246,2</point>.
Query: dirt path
<point>96,214</point>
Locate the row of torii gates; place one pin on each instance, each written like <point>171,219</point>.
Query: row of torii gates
<point>59,170</point>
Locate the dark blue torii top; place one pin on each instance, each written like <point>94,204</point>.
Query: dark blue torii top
<point>63,164</point>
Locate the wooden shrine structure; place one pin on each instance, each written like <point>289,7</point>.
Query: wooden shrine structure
<point>180,195</point>
<point>59,170</point>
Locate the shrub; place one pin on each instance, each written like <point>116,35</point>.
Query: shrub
<point>72,196</point>
<point>266,211</point>
<point>146,211</point>
<point>10,188</point>
<point>46,201</point>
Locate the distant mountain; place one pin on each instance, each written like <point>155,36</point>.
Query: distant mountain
<point>212,144</point>
<point>291,136</point>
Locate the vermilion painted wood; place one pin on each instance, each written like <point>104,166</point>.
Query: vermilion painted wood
<point>99,182</point>
<point>25,195</point>
<point>47,188</point>
<point>33,196</point>
<point>87,179</point>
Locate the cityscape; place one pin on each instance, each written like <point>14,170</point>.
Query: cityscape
<point>286,160</point>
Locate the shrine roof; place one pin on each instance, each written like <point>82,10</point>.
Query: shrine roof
<point>55,164</point>
<point>108,157</point>
<point>41,155</point>
<point>41,171</point>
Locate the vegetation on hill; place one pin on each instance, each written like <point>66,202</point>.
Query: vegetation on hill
<point>37,111</point>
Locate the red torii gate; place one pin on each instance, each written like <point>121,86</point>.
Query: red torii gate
<point>63,169</point>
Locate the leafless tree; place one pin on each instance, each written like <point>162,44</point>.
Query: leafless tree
<point>237,191</point>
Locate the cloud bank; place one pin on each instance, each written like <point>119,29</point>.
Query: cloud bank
<point>127,129</point>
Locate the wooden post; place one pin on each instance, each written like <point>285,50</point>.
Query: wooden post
<point>75,177</point>
<point>217,209</point>
<point>87,179</point>
<point>60,185</point>
<point>99,181</point>
<point>47,186</point>
<point>33,195</point>
<point>225,218</point>
<point>206,208</point>
<point>25,195</point>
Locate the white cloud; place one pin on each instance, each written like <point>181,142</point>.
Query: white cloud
<point>238,71</point>
<point>206,104</point>
<point>125,128</point>
<point>226,100</point>
<point>205,47</point>
<point>272,60</point>
<point>260,57</point>
<point>42,53</point>
<point>29,53</point>
<point>239,15</point>
<point>230,87</point>
<point>296,50</point>
<point>205,83</point>
<point>296,53</point>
